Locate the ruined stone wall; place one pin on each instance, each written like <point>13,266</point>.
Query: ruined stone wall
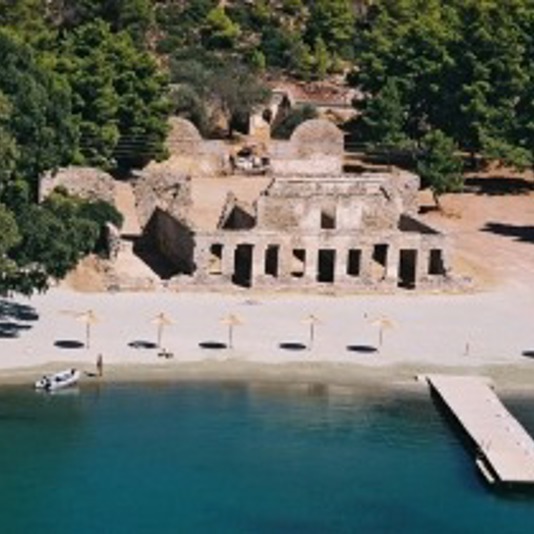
<point>85,182</point>
<point>161,189</point>
<point>352,204</point>
<point>315,148</point>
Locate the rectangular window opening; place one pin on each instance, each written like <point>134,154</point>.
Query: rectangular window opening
<point>354,262</point>
<point>271,260</point>
<point>215,261</point>
<point>435,264</point>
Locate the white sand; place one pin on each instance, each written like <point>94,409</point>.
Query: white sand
<point>431,333</point>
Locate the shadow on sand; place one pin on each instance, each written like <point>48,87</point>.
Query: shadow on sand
<point>362,349</point>
<point>498,186</point>
<point>14,318</point>
<point>68,344</point>
<point>10,329</point>
<point>524,234</point>
<point>142,344</point>
<point>292,345</point>
<point>212,345</point>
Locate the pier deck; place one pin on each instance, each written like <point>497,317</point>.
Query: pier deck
<point>506,449</point>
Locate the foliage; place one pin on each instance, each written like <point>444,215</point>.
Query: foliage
<point>438,165</point>
<point>133,16</point>
<point>385,117</point>
<point>334,22</point>
<point>36,114</point>
<point>220,31</point>
<point>60,231</point>
<point>216,89</point>
<point>119,95</point>
<point>296,116</point>
<point>462,66</point>
<point>301,37</point>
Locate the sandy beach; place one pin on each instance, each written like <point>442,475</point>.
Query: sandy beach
<point>488,333</point>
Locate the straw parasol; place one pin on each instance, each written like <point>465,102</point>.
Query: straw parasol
<point>383,323</point>
<point>89,318</point>
<point>311,320</point>
<point>161,320</point>
<point>231,320</point>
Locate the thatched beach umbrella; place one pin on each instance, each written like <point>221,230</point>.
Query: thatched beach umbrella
<point>161,320</point>
<point>311,320</point>
<point>89,318</point>
<point>383,323</point>
<point>231,320</point>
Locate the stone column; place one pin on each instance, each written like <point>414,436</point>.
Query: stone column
<point>392,264</point>
<point>201,261</point>
<point>227,262</point>
<point>258,264</point>
<point>447,260</point>
<point>311,265</point>
<point>285,253</point>
<point>421,270</point>
<point>366,263</point>
<point>341,265</point>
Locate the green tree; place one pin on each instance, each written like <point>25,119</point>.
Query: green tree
<point>39,120</point>
<point>9,237</point>
<point>8,147</point>
<point>120,96</point>
<point>135,17</point>
<point>58,233</point>
<point>461,67</point>
<point>296,116</point>
<point>385,117</point>
<point>226,88</point>
<point>438,165</point>
<point>219,30</point>
<point>322,58</point>
<point>334,22</point>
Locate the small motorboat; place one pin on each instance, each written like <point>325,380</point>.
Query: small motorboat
<point>60,380</point>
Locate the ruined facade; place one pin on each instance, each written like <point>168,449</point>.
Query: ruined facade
<point>307,225</point>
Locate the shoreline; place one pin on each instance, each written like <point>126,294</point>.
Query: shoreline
<point>401,378</point>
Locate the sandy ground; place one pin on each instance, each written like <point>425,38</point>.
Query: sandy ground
<point>483,333</point>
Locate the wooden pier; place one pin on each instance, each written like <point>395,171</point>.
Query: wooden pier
<point>505,449</point>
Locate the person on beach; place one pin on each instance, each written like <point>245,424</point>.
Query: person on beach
<point>100,365</point>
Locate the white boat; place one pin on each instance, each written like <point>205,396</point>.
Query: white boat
<point>59,380</point>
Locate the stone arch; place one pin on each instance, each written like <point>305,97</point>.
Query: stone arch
<point>318,135</point>
<point>183,130</point>
<point>183,137</point>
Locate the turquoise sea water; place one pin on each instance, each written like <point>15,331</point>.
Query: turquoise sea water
<point>232,458</point>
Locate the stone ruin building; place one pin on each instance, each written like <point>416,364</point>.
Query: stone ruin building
<point>302,223</point>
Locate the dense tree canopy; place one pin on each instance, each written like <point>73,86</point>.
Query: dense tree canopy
<point>119,96</point>
<point>460,66</point>
<point>35,111</point>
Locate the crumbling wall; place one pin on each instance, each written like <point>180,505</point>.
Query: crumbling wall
<point>161,189</point>
<point>315,148</point>
<point>352,204</point>
<point>85,182</point>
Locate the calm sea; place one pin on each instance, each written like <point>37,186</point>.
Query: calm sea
<point>233,458</point>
